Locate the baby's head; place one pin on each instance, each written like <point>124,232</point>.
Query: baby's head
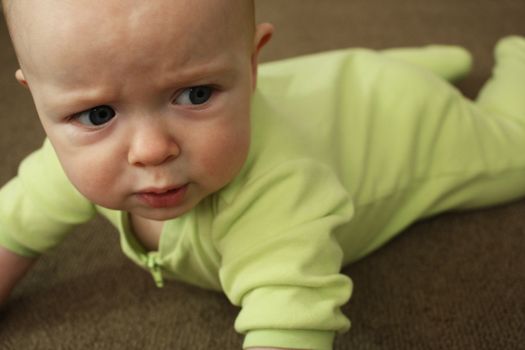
<point>142,96</point>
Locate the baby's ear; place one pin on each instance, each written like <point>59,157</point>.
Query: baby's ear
<point>21,79</point>
<point>263,34</point>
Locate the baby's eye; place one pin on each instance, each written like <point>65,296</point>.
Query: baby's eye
<point>196,95</point>
<point>96,116</point>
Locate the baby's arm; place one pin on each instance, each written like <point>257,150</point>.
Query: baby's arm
<point>36,214</point>
<point>13,268</point>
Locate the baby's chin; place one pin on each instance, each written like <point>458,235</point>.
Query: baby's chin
<point>158,214</point>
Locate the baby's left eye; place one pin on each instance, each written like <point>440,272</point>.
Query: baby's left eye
<point>196,95</point>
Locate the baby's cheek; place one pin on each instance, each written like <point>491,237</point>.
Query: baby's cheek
<point>224,157</point>
<point>97,181</point>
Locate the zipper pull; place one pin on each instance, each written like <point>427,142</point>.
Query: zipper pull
<point>154,269</point>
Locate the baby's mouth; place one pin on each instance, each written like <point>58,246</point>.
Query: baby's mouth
<point>163,198</point>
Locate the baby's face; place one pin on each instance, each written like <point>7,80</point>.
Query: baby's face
<point>142,99</point>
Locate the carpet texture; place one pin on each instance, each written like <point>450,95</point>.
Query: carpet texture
<point>456,281</point>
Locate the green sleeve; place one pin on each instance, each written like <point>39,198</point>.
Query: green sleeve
<point>280,260</point>
<point>40,206</point>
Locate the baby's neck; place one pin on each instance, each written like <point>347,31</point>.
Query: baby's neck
<point>146,231</point>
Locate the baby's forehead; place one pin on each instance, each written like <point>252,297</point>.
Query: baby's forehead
<point>146,25</point>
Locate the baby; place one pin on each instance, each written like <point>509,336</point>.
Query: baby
<point>262,185</point>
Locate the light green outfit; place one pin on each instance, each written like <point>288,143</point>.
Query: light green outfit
<point>348,148</point>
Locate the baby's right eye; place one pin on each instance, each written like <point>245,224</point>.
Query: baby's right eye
<point>96,116</point>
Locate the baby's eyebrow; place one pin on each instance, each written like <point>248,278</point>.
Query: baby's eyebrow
<point>73,101</point>
<point>62,101</point>
<point>197,73</point>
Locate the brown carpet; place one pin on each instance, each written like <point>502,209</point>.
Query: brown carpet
<point>452,282</point>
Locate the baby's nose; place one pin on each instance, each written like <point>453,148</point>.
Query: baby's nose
<point>152,145</point>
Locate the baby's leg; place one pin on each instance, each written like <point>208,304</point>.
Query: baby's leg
<point>487,136</point>
<point>433,150</point>
<point>446,61</point>
<point>503,99</point>
<point>479,153</point>
<point>500,129</point>
<point>504,94</point>
<point>449,62</point>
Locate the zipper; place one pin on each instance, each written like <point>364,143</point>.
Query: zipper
<point>154,269</point>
